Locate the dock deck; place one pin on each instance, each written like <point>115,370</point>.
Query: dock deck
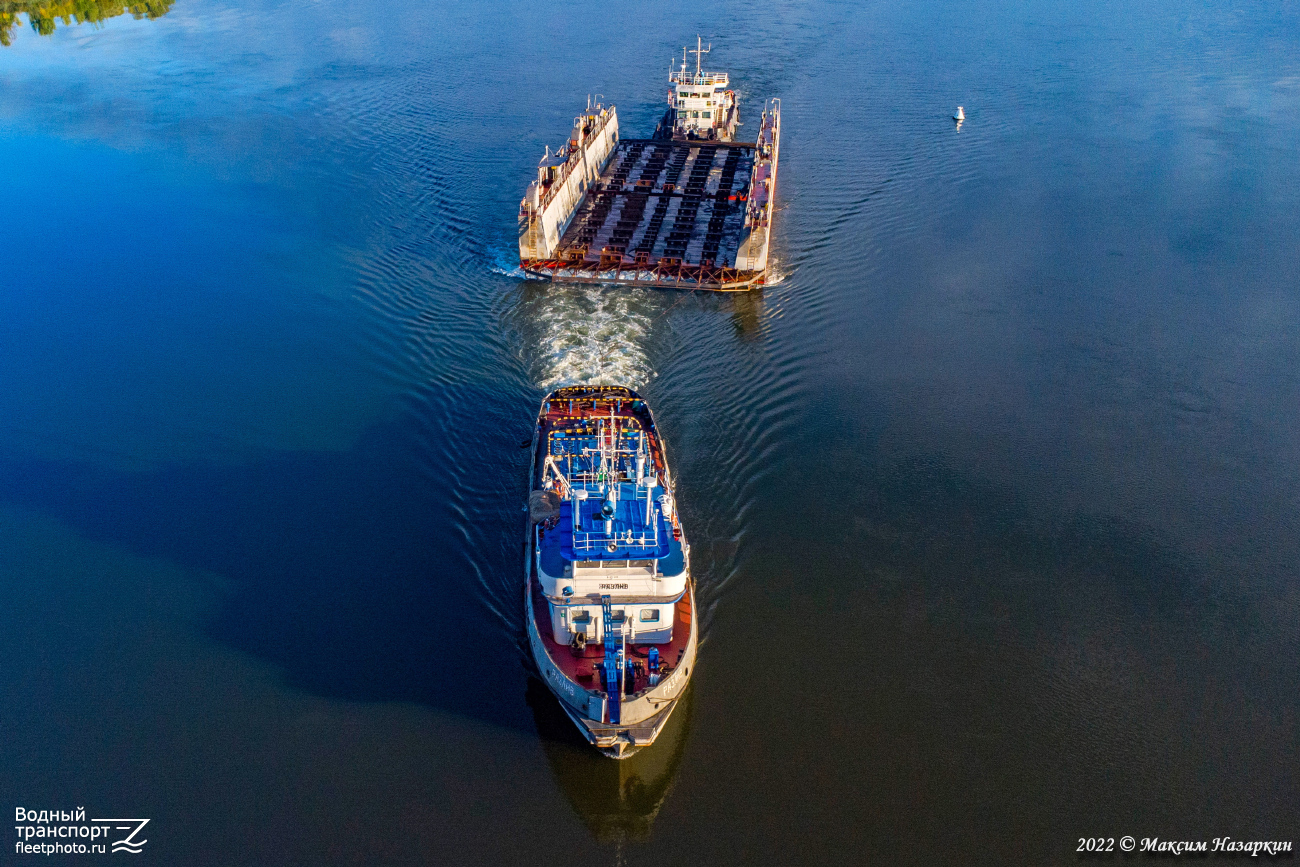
<point>662,212</point>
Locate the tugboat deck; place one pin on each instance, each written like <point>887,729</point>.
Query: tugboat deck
<point>663,212</point>
<point>585,669</point>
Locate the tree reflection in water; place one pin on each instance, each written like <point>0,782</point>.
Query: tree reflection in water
<point>42,14</point>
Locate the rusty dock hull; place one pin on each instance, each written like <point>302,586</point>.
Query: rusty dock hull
<point>671,213</point>
<point>662,275</point>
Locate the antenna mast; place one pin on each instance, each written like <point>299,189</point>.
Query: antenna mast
<point>697,52</point>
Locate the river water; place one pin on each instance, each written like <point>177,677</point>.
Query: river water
<point>992,492</point>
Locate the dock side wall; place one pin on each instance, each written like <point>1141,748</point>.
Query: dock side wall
<point>752,255</point>
<point>558,212</point>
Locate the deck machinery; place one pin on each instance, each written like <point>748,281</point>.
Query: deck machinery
<point>689,207</point>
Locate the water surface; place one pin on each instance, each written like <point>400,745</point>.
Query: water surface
<point>992,492</point>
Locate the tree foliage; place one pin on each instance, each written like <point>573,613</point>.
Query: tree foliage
<point>43,14</point>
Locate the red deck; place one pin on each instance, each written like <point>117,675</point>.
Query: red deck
<point>584,670</point>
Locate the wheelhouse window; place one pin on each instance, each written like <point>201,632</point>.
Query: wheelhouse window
<point>649,615</point>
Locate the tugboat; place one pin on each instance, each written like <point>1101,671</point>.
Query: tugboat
<point>609,599</point>
<point>701,106</point>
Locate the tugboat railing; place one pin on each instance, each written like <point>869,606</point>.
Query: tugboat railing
<point>603,477</point>
<point>592,542</point>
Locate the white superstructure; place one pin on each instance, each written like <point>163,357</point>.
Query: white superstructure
<point>702,103</point>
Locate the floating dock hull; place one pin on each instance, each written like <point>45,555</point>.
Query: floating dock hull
<point>667,213</point>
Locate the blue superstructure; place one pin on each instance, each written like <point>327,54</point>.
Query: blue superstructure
<point>633,537</point>
<point>612,508</point>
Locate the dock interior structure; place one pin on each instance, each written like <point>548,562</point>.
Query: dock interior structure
<point>661,212</point>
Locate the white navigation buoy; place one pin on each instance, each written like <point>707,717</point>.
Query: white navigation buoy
<point>960,115</point>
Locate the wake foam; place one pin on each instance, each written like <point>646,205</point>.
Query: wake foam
<point>591,335</point>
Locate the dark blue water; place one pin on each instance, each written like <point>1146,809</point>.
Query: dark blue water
<point>992,493</point>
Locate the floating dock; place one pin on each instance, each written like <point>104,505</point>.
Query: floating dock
<point>687,208</point>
